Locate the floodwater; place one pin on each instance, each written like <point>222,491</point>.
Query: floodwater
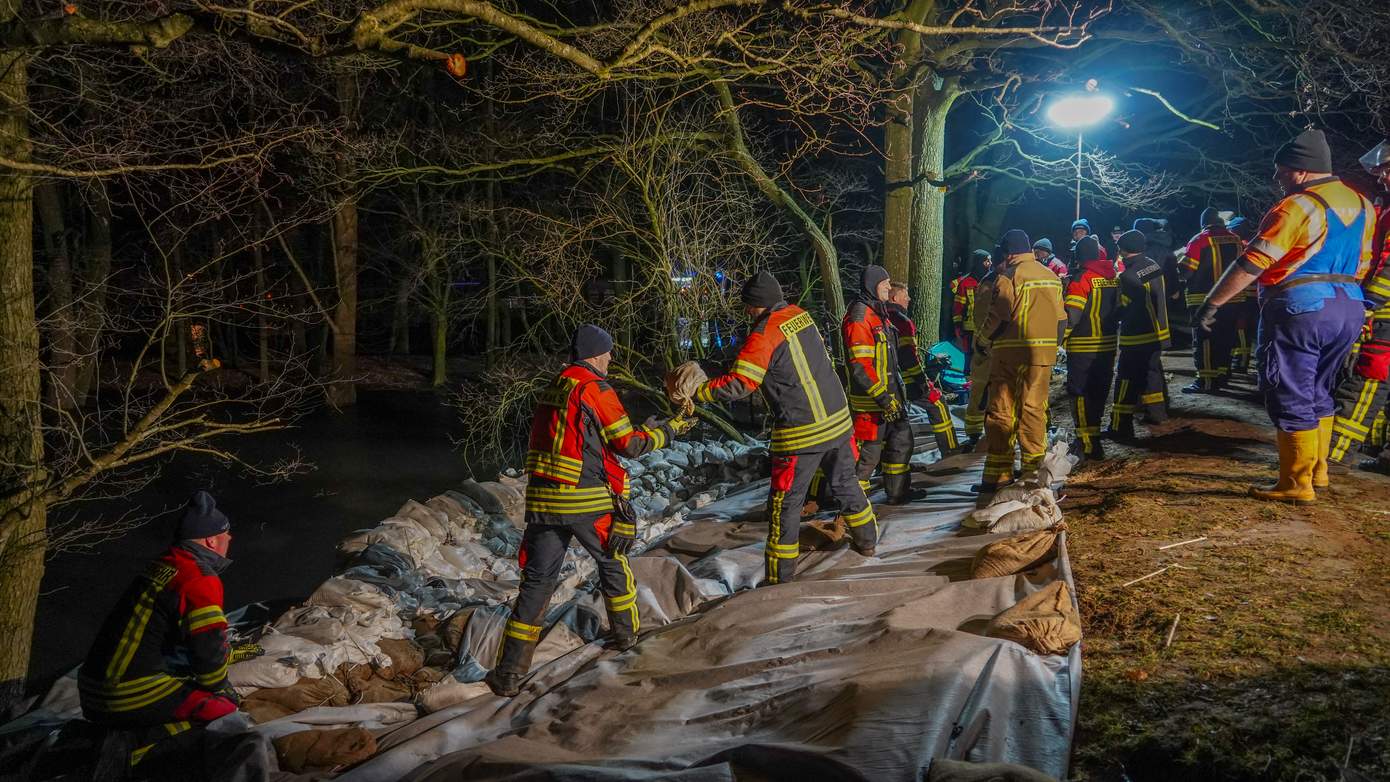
<point>393,446</point>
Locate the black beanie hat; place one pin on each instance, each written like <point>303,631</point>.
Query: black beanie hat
<point>1082,223</point>
<point>1133,242</point>
<point>1043,244</point>
<point>762,291</point>
<point>1307,152</point>
<point>1087,249</point>
<point>870,278</point>
<point>1210,217</point>
<point>201,518</point>
<point>589,341</point>
<point>1015,242</point>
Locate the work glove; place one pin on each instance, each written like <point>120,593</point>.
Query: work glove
<point>244,651</point>
<point>894,411</point>
<point>1206,317</point>
<point>681,423</point>
<point>621,536</point>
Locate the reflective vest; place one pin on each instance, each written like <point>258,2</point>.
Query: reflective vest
<point>1143,304</point>
<point>1093,310</point>
<point>577,432</point>
<point>785,357</point>
<point>176,604</point>
<point>1206,258</point>
<point>871,359</point>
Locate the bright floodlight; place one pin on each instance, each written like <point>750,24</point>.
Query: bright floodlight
<point>1079,111</point>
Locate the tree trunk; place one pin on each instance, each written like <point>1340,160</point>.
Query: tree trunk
<point>262,323</point>
<point>898,159</point>
<point>96,250</point>
<point>441,343</point>
<point>342,391</point>
<point>932,102</point>
<point>22,517</point>
<point>59,321</point>
<point>400,319</point>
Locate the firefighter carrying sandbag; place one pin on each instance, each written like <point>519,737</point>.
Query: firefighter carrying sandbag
<point>577,489</point>
<point>785,356</point>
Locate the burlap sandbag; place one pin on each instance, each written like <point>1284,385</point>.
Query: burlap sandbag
<point>943,770</point>
<point>1040,512</point>
<point>1014,555</point>
<point>273,703</point>
<point>406,656</point>
<point>682,383</point>
<point>1044,622</point>
<point>324,749</point>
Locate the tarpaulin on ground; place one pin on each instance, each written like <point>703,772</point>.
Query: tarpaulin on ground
<point>861,669</point>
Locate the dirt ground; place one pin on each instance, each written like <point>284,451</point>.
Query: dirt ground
<point>1259,653</point>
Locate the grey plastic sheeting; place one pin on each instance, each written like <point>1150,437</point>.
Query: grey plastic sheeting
<point>861,669</point>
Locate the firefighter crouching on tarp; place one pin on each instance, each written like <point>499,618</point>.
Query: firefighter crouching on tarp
<point>919,386</point>
<point>175,605</point>
<point>785,356</point>
<point>1311,252</point>
<point>1363,392</point>
<point>877,395</point>
<point>577,489</point>
<point>1020,336</point>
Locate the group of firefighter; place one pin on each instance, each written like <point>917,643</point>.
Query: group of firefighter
<point>1318,258</point>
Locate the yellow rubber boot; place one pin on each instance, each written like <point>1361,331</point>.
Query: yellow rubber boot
<point>1298,457</point>
<point>1320,478</point>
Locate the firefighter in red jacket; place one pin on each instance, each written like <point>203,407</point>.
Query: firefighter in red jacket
<point>574,486</point>
<point>1203,262</point>
<point>877,395</point>
<point>1093,326</point>
<point>785,356</point>
<point>919,386</point>
<point>963,304</point>
<point>1363,392</point>
<point>1247,313</point>
<point>126,681</point>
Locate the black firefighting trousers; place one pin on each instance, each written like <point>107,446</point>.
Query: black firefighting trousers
<point>1212,350</point>
<point>1089,377</point>
<point>1140,387</point>
<point>791,480</point>
<point>886,445</point>
<point>542,552</point>
<point>1361,394</point>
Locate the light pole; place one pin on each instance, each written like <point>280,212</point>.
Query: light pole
<point>1080,112</point>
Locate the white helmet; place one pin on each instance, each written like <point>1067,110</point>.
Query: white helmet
<point>1377,158</point>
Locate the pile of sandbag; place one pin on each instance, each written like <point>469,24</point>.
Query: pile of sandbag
<point>1017,508</point>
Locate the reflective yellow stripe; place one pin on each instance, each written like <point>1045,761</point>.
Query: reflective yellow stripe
<point>657,436</point>
<point>213,677</point>
<point>1151,399</point>
<point>522,631</point>
<point>893,468</point>
<point>791,438</point>
<point>619,428</point>
<point>140,700</point>
<point>203,617</point>
<point>1076,301</point>
<point>861,351</point>
<point>749,370</point>
<point>790,331</point>
<point>861,518</point>
<point>704,393</point>
<point>554,465</point>
<point>566,500</point>
<point>623,528</point>
<point>134,631</point>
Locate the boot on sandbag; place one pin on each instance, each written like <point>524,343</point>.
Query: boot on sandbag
<point>1298,457</point>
